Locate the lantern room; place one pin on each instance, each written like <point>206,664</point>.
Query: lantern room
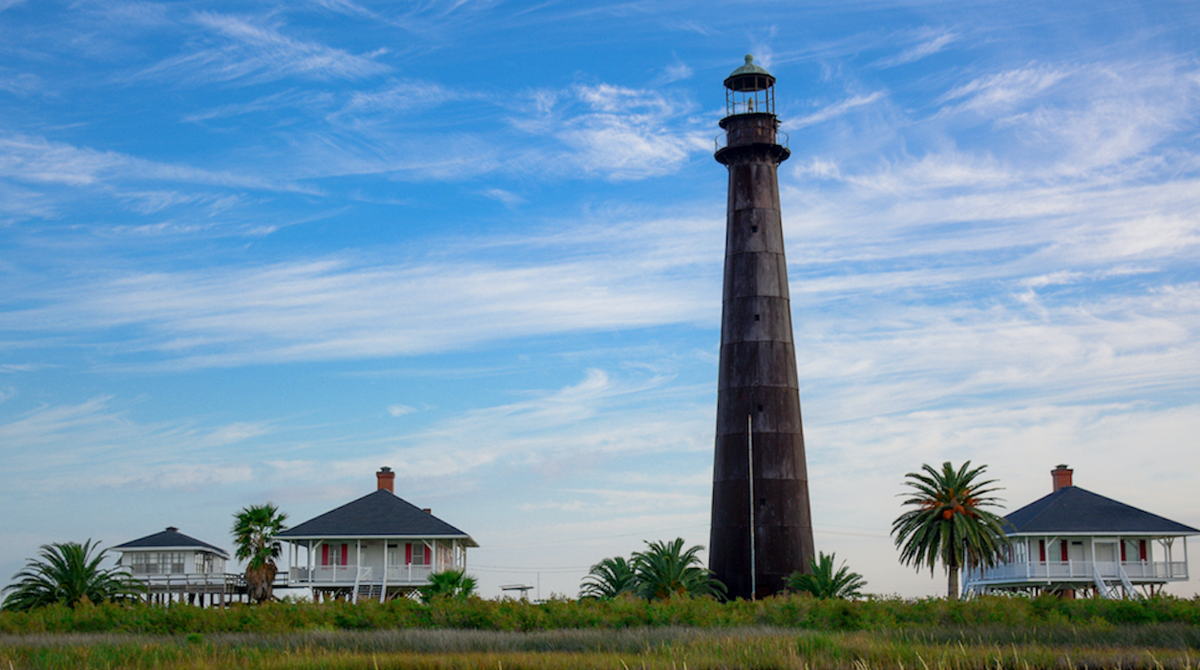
<point>750,89</point>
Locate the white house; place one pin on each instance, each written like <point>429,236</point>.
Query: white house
<point>1075,541</point>
<point>379,546</point>
<point>173,565</point>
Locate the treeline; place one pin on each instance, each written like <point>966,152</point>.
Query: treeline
<point>791,611</point>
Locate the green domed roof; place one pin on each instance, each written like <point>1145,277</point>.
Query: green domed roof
<point>749,68</point>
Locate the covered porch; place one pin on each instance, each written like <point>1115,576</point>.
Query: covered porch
<point>1112,567</point>
<point>379,568</point>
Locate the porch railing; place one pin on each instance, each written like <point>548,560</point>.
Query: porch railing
<point>349,574</point>
<point>1081,570</point>
<point>192,583</point>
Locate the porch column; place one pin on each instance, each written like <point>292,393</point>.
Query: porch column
<point>357,569</point>
<point>383,589</point>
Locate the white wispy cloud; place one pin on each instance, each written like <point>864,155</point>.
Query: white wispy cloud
<point>673,73</point>
<point>932,42</point>
<point>835,110</point>
<point>340,308</point>
<point>34,159</point>
<point>507,198</point>
<point>255,51</point>
<point>624,133</point>
<point>97,442</point>
<point>20,83</point>
<point>998,92</point>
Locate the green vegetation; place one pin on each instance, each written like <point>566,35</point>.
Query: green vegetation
<point>822,581</point>
<point>1156,647</point>
<point>664,570</point>
<point>454,584</point>
<point>791,631</point>
<point>68,573</point>
<point>949,524</point>
<point>254,531</point>
<point>608,579</point>
<point>798,611</point>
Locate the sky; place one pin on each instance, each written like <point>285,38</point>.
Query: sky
<point>254,251</point>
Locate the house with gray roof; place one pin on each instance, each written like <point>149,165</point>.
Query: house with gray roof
<point>171,565</point>
<point>1075,541</point>
<point>379,546</point>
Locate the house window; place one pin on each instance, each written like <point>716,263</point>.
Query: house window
<point>417,554</point>
<point>138,564</point>
<point>172,562</point>
<point>335,554</point>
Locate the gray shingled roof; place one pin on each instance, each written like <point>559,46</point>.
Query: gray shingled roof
<point>379,514</point>
<point>170,538</point>
<point>1075,510</point>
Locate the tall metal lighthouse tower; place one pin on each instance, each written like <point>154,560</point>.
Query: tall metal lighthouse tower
<point>761,523</point>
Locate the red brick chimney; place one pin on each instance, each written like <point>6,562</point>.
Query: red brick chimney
<point>387,479</point>
<point>1062,477</point>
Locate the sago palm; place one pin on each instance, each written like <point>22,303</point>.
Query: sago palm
<point>666,569</point>
<point>948,523</point>
<point>254,531</point>
<point>824,582</point>
<point>68,573</point>
<point>608,579</point>
<point>454,584</point>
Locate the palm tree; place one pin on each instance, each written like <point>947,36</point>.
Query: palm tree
<point>948,524</point>
<point>608,579</point>
<point>68,573</point>
<point>666,569</point>
<point>254,531</point>
<point>823,582</point>
<point>454,584</point>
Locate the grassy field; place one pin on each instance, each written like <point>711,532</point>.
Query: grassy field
<point>786,632</point>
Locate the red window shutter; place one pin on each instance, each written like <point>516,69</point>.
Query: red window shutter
<point>1042,550</point>
<point>345,554</point>
<point>1142,550</point>
<point>1122,551</point>
<point>408,553</point>
<point>428,555</point>
<point>324,554</point>
<point>1065,557</point>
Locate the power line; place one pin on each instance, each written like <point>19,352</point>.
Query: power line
<point>501,568</point>
<point>594,537</point>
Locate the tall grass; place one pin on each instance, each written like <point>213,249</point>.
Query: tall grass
<point>794,611</point>
<point>663,647</point>
<point>782,632</point>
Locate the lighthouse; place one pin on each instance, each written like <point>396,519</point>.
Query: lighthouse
<point>761,521</point>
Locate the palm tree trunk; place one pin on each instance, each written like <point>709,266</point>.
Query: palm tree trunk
<point>952,589</point>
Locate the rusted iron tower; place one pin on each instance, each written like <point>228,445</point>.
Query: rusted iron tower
<point>761,523</point>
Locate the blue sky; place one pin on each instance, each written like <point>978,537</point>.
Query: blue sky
<point>254,251</point>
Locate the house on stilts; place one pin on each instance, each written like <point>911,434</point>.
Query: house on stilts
<point>1075,542</point>
<point>173,568</point>
<point>379,546</point>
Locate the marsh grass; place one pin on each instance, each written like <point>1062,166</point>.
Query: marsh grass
<point>672,647</point>
<point>785,632</point>
<point>795,611</point>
